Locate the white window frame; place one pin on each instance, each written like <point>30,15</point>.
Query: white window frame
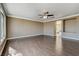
<point>3,27</point>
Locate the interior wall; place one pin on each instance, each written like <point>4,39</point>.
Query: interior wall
<point>72,28</point>
<point>72,25</point>
<point>20,27</point>
<point>49,28</point>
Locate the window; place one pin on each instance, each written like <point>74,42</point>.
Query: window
<point>2,26</point>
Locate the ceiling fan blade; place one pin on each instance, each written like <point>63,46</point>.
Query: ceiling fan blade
<point>50,15</point>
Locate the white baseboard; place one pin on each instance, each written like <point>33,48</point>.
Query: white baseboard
<point>51,35</point>
<point>28,36</point>
<point>65,35</point>
<point>70,36</point>
<point>23,36</point>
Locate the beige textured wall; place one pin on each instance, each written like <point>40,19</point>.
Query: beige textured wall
<point>49,28</point>
<point>19,27</point>
<point>72,25</point>
<point>71,29</point>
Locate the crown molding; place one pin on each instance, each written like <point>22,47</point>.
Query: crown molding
<point>23,18</point>
<point>62,18</point>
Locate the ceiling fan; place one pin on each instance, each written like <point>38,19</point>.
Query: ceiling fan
<point>46,15</point>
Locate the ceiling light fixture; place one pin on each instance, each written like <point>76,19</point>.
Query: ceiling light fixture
<point>46,15</point>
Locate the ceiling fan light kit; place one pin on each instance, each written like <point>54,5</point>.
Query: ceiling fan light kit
<point>46,15</point>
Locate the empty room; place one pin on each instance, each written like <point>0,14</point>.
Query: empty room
<point>39,29</point>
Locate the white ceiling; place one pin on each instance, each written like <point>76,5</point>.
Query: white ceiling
<point>31,10</point>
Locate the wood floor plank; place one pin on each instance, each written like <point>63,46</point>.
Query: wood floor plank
<point>40,46</point>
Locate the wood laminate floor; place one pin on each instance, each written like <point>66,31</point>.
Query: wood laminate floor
<point>40,46</point>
